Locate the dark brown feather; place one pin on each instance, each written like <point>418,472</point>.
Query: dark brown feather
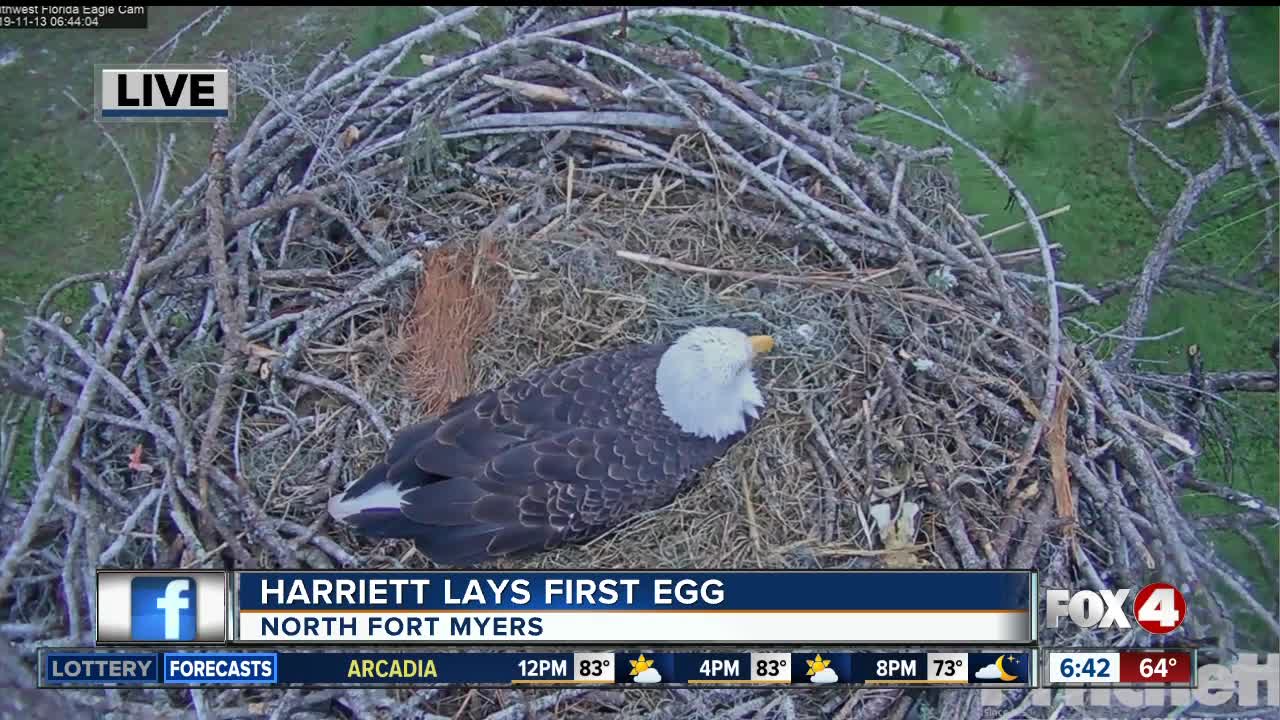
<point>558,456</point>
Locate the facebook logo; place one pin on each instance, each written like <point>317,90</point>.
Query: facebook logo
<point>159,605</point>
<point>164,608</point>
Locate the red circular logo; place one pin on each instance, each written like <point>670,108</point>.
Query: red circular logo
<point>1159,608</point>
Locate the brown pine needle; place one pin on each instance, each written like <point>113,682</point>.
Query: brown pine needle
<point>453,306</point>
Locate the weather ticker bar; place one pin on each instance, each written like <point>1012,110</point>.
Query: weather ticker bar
<point>196,667</point>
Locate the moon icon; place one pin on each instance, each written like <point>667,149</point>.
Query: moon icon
<point>1004,675</point>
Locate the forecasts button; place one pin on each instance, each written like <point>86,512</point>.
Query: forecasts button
<point>230,668</point>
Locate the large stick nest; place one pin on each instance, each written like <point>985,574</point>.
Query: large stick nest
<point>375,245</point>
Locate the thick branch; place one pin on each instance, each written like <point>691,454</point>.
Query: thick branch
<point>1153,269</point>
<point>956,49</point>
<point>1264,381</point>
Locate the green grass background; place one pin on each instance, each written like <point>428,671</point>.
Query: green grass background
<point>65,194</point>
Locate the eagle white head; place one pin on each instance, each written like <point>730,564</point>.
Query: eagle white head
<point>705,381</point>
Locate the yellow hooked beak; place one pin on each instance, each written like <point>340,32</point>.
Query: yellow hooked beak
<point>760,344</point>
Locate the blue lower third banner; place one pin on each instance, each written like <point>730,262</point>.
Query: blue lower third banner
<point>626,607</point>
<point>336,668</point>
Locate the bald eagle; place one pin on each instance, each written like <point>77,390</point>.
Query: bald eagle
<point>564,453</point>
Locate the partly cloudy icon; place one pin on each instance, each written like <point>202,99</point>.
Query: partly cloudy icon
<point>824,676</point>
<point>820,671</point>
<point>997,671</point>
<point>990,672</point>
<point>642,671</point>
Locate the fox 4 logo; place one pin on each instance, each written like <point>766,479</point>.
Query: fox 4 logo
<point>1158,608</point>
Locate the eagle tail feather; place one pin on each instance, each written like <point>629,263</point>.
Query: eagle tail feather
<point>375,476</point>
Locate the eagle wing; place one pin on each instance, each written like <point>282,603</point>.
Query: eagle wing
<point>541,494</point>
<point>592,391</point>
<point>557,456</point>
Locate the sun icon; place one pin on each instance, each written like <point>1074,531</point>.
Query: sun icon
<point>817,665</point>
<point>639,666</point>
